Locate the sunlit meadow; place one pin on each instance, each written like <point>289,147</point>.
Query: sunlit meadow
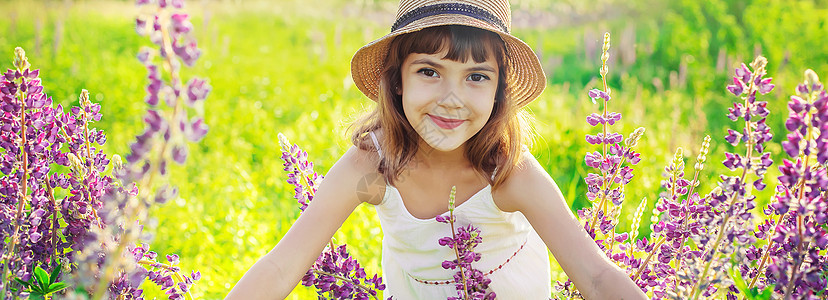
<point>282,66</point>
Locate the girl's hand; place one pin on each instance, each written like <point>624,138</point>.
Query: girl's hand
<point>532,191</point>
<point>277,273</point>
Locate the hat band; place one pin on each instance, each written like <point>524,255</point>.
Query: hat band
<point>449,8</point>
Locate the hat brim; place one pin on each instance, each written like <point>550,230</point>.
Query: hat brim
<point>524,76</point>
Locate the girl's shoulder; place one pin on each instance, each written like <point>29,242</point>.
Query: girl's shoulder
<point>359,168</point>
<point>526,178</point>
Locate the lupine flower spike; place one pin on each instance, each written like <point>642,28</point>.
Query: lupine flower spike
<point>605,188</point>
<point>470,283</point>
<point>334,273</point>
<point>729,218</point>
<point>795,265</point>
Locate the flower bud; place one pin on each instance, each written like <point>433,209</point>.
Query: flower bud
<point>705,147</point>
<point>117,162</point>
<point>811,78</point>
<point>655,217</point>
<point>77,166</point>
<point>283,142</point>
<point>20,60</point>
<point>84,99</point>
<point>678,161</point>
<point>759,64</point>
<point>451,198</point>
<point>606,43</point>
<point>632,140</point>
<point>639,212</point>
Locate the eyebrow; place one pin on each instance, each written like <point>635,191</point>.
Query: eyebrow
<point>432,63</point>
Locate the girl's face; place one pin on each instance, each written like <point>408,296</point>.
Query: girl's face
<point>447,102</point>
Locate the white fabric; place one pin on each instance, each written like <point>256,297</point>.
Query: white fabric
<point>410,250</point>
<point>376,143</point>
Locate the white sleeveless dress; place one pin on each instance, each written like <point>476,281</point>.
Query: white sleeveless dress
<point>412,257</point>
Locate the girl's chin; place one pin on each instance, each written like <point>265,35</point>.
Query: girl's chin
<point>443,140</point>
<point>445,145</point>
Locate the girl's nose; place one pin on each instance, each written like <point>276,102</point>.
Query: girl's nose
<point>451,100</point>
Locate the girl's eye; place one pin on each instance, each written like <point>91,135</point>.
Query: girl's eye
<point>427,72</point>
<point>478,77</point>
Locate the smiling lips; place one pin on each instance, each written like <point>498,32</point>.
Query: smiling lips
<point>446,123</point>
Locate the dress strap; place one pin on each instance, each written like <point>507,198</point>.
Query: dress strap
<point>376,143</point>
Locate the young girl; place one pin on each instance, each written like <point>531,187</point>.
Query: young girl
<point>450,84</point>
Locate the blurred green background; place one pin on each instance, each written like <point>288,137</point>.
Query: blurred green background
<point>282,66</point>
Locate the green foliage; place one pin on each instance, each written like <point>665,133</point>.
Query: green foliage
<point>42,285</point>
<point>753,293</point>
<point>285,68</point>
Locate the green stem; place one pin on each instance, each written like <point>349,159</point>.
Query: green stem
<point>765,254</point>
<point>709,262</point>
<point>176,275</point>
<point>55,224</point>
<point>683,223</point>
<point>364,288</point>
<point>146,181</point>
<point>22,195</point>
<point>457,253</point>
<point>608,184</point>
<point>748,158</point>
<point>789,289</point>
<point>647,260</point>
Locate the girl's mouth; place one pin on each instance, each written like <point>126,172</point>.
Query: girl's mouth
<point>446,123</point>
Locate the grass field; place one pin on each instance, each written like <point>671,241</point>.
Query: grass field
<point>283,67</point>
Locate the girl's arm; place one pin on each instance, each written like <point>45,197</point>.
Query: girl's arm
<point>532,191</point>
<point>277,273</point>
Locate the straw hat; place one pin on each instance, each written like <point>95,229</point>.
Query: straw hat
<point>524,75</point>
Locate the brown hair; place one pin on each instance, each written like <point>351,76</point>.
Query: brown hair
<point>497,145</point>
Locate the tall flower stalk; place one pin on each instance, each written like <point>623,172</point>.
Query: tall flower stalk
<point>469,282</point>
<point>735,202</point>
<point>29,132</point>
<point>795,251</point>
<point>607,186</point>
<point>605,189</point>
<point>142,179</point>
<point>334,274</point>
<point>79,231</point>
<point>697,236</point>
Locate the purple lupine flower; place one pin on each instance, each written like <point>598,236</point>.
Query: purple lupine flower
<point>468,281</point>
<point>795,264</point>
<point>606,185</point>
<point>197,90</point>
<point>333,265</point>
<point>725,218</point>
<point>31,135</point>
<point>333,261</point>
<point>737,88</point>
<point>594,119</point>
<point>300,172</point>
<point>106,207</point>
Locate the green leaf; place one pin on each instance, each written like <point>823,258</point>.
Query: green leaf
<point>26,284</point>
<point>57,286</point>
<point>36,296</point>
<point>741,285</point>
<point>738,281</point>
<point>42,278</point>
<point>55,272</point>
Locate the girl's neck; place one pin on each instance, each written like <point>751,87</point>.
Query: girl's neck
<point>433,159</point>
